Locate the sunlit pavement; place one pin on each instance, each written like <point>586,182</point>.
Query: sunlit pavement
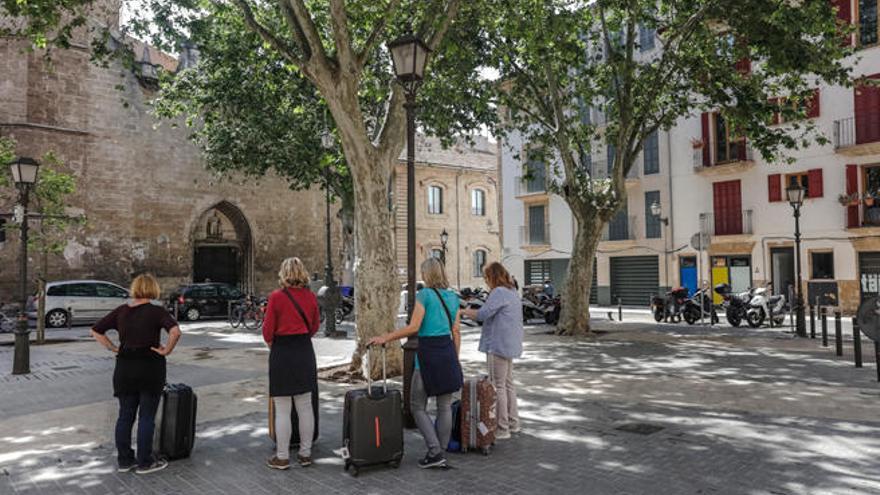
<point>637,408</point>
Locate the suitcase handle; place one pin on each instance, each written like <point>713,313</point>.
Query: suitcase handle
<point>370,374</point>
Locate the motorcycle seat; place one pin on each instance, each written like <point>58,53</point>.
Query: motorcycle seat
<point>774,299</point>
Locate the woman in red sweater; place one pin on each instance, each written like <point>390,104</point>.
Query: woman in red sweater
<point>291,319</point>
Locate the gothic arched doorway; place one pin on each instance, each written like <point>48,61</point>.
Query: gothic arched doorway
<point>223,247</point>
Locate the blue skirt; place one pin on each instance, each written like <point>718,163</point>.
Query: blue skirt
<point>439,366</point>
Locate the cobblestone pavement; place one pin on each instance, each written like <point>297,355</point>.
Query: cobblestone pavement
<point>638,409</point>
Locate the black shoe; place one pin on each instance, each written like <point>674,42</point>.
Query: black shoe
<point>152,468</point>
<point>431,461</point>
<point>126,466</point>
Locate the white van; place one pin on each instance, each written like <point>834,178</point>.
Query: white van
<point>87,301</point>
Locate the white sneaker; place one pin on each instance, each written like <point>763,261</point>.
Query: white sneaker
<point>502,434</point>
<point>516,429</point>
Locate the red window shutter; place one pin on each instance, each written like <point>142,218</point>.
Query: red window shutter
<point>813,105</point>
<point>774,187</point>
<point>844,14</point>
<point>866,101</point>
<point>727,201</point>
<point>814,183</point>
<point>707,156</point>
<point>852,187</point>
<point>774,102</point>
<point>743,66</point>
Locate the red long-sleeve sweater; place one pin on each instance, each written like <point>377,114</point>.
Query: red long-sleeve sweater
<point>282,318</point>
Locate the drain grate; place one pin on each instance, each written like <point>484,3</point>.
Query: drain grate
<point>639,428</point>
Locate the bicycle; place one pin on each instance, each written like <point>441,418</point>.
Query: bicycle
<point>247,313</point>
<point>8,321</point>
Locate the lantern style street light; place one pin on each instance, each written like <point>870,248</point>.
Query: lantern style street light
<point>330,289</point>
<point>409,55</point>
<point>795,195</point>
<point>444,238</point>
<point>657,211</point>
<point>24,174</point>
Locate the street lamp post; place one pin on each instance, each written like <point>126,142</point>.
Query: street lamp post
<point>795,195</point>
<point>330,296</point>
<point>657,211</point>
<point>24,175</point>
<point>444,238</point>
<point>409,54</point>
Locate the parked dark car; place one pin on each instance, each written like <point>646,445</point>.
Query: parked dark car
<point>208,300</point>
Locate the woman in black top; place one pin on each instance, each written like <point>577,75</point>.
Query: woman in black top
<point>139,376</point>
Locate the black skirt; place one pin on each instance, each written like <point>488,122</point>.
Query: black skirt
<point>138,371</point>
<point>292,366</point>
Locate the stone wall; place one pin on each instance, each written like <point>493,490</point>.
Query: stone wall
<point>142,186</point>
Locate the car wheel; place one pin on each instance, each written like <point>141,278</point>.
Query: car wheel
<point>56,318</point>
<point>192,314</point>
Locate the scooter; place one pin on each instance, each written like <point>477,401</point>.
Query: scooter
<point>471,299</point>
<point>669,308</point>
<point>691,311</point>
<point>763,305</point>
<point>735,305</point>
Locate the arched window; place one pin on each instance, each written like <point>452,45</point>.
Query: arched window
<point>479,262</point>
<point>478,202</point>
<point>435,200</point>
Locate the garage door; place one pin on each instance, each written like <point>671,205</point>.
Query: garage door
<point>634,279</point>
<point>594,284</point>
<point>869,274</point>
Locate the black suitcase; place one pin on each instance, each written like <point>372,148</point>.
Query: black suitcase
<point>176,422</point>
<point>372,425</point>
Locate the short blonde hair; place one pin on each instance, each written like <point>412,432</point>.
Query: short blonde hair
<point>293,273</point>
<point>145,286</point>
<point>434,274</point>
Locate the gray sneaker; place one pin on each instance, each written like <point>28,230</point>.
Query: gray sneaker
<point>152,468</point>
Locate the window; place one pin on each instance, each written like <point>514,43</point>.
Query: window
<point>727,147</point>
<point>105,290</point>
<point>57,290</point>
<point>646,38</point>
<point>80,290</point>
<point>204,291</point>
<point>230,292</point>
<point>537,226</point>
<point>867,22</point>
<point>822,265</point>
<point>801,179</point>
<point>871,196</point>
<point>479,262</point>
<point>651,154</point>
<point>537,271</point>
<point>435,200</point>
<point>652,222</point>
<point>727,204</point>
<point>536,174</point>
<point>609,155</point>
<point>618,227</point>
<point>478,202</point>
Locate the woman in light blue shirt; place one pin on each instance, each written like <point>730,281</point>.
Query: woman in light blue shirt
<point>437,371</point>
<point>502,341</point>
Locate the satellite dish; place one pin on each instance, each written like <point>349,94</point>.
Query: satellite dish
<point>869,318</point>
<point>700,241</point>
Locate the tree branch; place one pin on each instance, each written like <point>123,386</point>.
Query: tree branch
<point>375,34</point>
<point>394,125</point>
<point>310,31</point>
<point>264,33</point>
<point>342,37</point>
<point>298,35</point>
<point>449,14</point>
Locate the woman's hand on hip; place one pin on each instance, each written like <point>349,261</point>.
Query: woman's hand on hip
<point>161,350</point>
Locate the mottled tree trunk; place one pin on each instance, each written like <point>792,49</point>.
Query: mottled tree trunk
<point>346,219</point>
<point>575,316</point>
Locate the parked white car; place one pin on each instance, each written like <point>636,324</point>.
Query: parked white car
<point>87,301</point>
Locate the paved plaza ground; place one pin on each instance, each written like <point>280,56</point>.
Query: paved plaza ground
<point>639,408</point>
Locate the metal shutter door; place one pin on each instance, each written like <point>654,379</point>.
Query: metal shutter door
<point>634,279</point>
<point>869,274</point>
<point>594,285</point>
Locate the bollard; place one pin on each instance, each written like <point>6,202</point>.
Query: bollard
<point>838,334</point>
<point>812,322</point>
<point>877,358</point>
<point>619,309</point>
<point>857,344</point>
<point>69,317</point>
<point>824,317</point>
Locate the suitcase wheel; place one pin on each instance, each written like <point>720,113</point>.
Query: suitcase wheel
<point>346,466</point>
<point>355,471</point>
<point>464,450</point>
<point>394,464</point>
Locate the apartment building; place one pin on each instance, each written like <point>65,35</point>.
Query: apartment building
<point>721,186</point>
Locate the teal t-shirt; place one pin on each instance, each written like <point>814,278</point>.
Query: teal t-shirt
<point>436,323</point>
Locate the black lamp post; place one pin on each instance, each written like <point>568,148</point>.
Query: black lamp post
<point>657,211</point>
<point>795,195</point>
<point>24,175</point>
<point>330,296</point>
<point>409,54</point>
<point>444,238</point>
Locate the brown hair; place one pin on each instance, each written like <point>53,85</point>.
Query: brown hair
<point>293,273</point>
<point>434,274</point>
<point>497,276</point>
<point>145,286</point>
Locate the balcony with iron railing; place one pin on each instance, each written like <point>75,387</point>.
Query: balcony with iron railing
<point>858,135</point>
<point>735,222</point>
<point>737,156</point>
<point>529,236</point>
<point>526,186</point>
<point>620,228</point>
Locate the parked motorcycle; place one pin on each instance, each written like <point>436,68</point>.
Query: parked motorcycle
<point>471,299</point>
<point>735,305</point>
<point>344,308</point>
<point>763,305</point>
<point>536,304</point>
<point>691,311</point>
<point>669,308</point>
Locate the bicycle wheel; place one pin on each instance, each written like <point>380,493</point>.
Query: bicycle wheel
<point>235,317</point>
<point>250,319</point>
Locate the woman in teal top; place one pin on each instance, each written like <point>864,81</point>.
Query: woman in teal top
<point>437,371</point>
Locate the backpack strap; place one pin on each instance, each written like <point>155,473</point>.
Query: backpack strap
<point>299,309</point>
<point>445,309</point>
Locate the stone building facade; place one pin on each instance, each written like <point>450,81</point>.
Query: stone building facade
<point>149,202</point>
<point>456,190</point>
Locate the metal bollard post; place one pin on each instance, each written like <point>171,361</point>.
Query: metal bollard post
<point>812,322</point>
<point>824,317</point>
<point>838,334</point>
<point>69,317</point>
<point>619,309</point>
<point>877,358</point>
<point>857,344</point>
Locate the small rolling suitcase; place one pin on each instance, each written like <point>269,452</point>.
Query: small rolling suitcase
<point>294,421</point>
<point>477,413</point>
<point>372,425</point>
<point>176,432</point>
